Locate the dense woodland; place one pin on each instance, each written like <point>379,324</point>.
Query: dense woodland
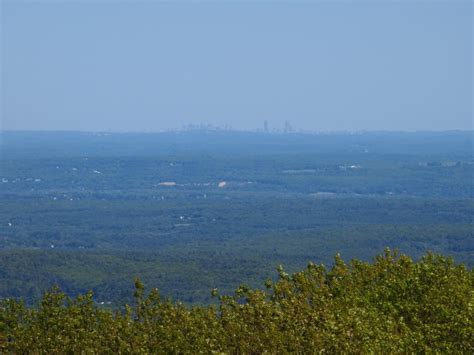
<point>393,305</point>
<point>89,211</point>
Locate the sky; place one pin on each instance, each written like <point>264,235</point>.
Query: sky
<point>323,66</point>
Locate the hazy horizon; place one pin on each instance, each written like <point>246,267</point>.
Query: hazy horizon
<point>235,130</point>
<point>231,129</point>
<point>151,66</point>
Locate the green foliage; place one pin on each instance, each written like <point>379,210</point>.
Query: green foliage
<point>188,270</point>
<point>393,305</point>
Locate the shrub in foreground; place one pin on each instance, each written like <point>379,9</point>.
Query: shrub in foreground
<point>391,305</point>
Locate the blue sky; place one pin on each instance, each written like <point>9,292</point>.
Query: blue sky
<point>137,66</point>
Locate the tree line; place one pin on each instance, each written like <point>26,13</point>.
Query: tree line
<point>391,305</point>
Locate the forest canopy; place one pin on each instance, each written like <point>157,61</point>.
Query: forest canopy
<point>394,304</point>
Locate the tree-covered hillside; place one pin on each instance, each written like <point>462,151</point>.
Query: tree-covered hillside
<point>393,305</point>
<point>191,211</point>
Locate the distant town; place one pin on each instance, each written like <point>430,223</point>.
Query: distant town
<point>266,128</point>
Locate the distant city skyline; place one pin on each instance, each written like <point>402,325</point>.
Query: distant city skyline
<point>298,66</point>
